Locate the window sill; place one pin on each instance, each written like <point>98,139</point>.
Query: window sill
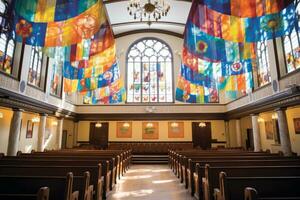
<point>56,96</point>
<point>261,87</point>
<point>290,74</point>
<point>36,87</point>
<point>9,75</point>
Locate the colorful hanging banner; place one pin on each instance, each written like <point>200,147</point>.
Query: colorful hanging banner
<point>112,94</point>
<point>210,48</point>
<point>247,8</point>
<point>62,33</point>
<point>236,78</point>
<point>82,51</point>
<point>51,10</point>
<point>237,29</point>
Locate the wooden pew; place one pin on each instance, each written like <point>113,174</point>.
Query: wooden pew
<point>42,194</point>
<point>211,178</point>
<point>197,177</point>
<point>285,187</point>
<point>123,160</point>
<point>257,159</point>
<point>50,162</point>
<point>60,187</point>
<point>110,177</point>
<point>114,164</point>
<point>92,176</point>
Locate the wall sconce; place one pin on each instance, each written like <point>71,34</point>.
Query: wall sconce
<point>98,125</point>
<point>54,123</point>
<point>35,120</point>
<point>202,124</point>
<point>174,124</point>
<point>260,120</point>
<point>1,115</point>
<point>149,125</point>
<point>274,116</point>
<point>126,125</point>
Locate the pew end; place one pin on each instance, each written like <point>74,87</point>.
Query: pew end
<point>43,193</point>
<point>250,194</point>
<point>217,194</point>
<point>74,195</point>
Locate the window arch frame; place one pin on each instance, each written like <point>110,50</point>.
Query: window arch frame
<point>172,69</point>
<point>5,31</point>
<point>262,58</point>
<point>290,41</point>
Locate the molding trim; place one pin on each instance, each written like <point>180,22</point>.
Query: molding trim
<point>145,22</point>
<point>150,116</point>
<point>149,31</point>
<point>11,99</point>
<point>287,98</point>
<point>116,1</point>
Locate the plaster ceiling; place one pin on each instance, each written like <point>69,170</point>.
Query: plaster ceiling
<point>124,24</point>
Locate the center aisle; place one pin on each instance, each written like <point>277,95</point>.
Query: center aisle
<point>151,182</point>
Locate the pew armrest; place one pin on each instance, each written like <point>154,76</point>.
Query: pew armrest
<point>100,188</point>
<point>43,193</point>
<point>75,195</point>
<point>89,193</point>
<point>250,194</point>
<point>217,194</point>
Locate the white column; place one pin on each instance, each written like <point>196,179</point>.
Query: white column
<point>227,134</point>
<point>59,130</point>
<point>256,133</point>
<point>75,133</point>
<point>14,131</point>
<point>41,133</point>
<point>238,133</point>
<point>284,132</point>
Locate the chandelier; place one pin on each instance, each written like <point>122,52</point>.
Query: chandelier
<point>149,10</point>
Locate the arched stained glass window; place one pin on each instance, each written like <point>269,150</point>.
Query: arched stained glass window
<point>35,67</point>
<point>149,72</point>
<point>291,44</point>
<point>263,67</point>
<point>7,43</point>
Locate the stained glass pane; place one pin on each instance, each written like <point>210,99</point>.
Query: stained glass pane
<point>35,67</point>
<point>7,44</point>
<point>151,65</point>
<point>291,45</point>
<point>263,68</point>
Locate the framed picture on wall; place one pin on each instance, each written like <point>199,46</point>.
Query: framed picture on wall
<point>29,130</point>
<point>124,129</point>
<point>150,130</point>
<point>297,125</point>
<point>175,130</point>
<point>269,130</point>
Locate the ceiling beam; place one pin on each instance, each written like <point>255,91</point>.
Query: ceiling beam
<point>116,1</point>
<point>149,31</point>
<point>145,22</point>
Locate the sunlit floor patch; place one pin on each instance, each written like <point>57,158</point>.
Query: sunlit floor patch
<point>138,170</point>
<point>149,182</point>
<point>137,193</point>
<point>163,181</point>
<point>136,177</point>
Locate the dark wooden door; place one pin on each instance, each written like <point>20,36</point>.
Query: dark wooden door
<point>99,135</point>
<point>201,135</point>
<point>249,140</point>
<point>64,139</point>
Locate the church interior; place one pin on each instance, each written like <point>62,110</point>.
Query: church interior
<point>149,99</point>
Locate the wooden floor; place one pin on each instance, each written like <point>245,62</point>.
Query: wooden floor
<point>149,182</point>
